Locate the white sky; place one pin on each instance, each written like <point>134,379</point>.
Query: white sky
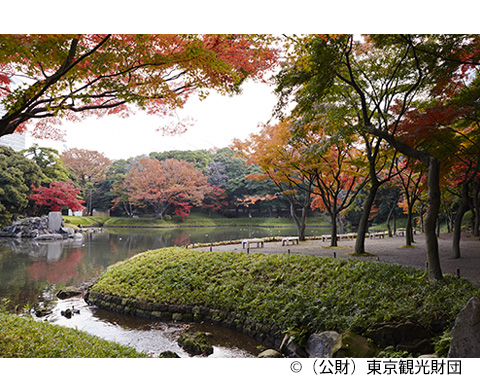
<point>216,120</point>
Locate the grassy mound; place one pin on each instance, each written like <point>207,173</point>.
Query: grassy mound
<point>289,291</point>
<point>26,338</point>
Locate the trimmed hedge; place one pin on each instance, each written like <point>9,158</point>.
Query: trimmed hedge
<point>289,291</point>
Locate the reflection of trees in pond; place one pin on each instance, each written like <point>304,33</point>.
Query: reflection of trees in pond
<point>28,267</point>
<point>182,239</point>
<point>62,271</point>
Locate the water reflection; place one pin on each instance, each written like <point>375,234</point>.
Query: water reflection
<point>152,337</point>
<point>31,272</point>
<point>28,267</point>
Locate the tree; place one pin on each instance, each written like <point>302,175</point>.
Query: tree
<point>411,177</point>
<point>200,158</point>
<point>165,185</point>
<point>271,151</point>
<point>454,141</point>
<point>58,195</point>
<point>49,161</point>
<point>90,168</point>
<point>338,174</point>
<point>17,175</point>
<point>376,81</point>
<point>215,199</point>
<point>387,202</point>
<point>215,172</point>
<point>46,78</point>
<point>232,170</point>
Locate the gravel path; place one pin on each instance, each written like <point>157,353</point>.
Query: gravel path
<point>389,250</point>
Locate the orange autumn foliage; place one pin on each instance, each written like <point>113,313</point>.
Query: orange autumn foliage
<point>165,184</point>
<point>47,78</point>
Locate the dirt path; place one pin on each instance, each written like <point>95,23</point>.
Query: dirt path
<point>389,250</point>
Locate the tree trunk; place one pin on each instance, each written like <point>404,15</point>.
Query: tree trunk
<point>476,209</point>
<point>433,257</point>
<point>333,241</point>
<point>300,223</point>
<point>390,213</point>
<point>363,224</point>
<point>434,199</point>
<point>457,230</point>
<point>422,218</point>
<point>409,228</point>
<point>394,223</point>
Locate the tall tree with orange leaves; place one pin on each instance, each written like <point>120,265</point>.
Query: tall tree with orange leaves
<point>278,160</point>
<point>90,168</point>
<point>166,185</point>
<point>325,168</point>
<point>47,78</point>
<point>339,173</point>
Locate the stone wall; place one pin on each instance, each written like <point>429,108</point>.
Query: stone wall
<point>271,335</point>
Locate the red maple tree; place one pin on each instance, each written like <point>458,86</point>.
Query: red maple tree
<point>57,195</point>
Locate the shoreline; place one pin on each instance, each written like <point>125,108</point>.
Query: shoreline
<point>388,250</point>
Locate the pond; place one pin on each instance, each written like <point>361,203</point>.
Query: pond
<point>31,271</point>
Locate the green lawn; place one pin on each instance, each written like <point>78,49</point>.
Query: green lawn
<point>195,219</point>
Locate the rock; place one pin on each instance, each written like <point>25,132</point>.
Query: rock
<point>67,232</point>
<point>291,349</point>
<point>405,336</point>
<point>465,334</point>
<point>39,228</point>
<point>354,346</point>
<point>41,312</point>
<point>196,343</point>
<point>168,354</point>
<point>49,237</point>
<point>70,312</point>
<point>320,345</point>
<point>68,292</point>
<point>270,353</point>
<point>55,221</point>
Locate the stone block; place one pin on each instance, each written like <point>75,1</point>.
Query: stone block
<point>465,334</point>
<point>55,221</point>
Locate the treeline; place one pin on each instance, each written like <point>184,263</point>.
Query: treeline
<point>161,185</point>
<point>222,182</point>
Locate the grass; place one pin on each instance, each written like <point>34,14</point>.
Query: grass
<point>26,338</point>
<point>194,219</point>
<point>290,291</point>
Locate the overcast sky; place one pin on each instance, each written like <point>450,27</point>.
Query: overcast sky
<point>215,121</point>
<point>218,119</point>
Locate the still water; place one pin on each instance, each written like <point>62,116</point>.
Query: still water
<point>31,272</point>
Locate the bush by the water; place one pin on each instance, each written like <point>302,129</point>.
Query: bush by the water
<point>26,338</point>
<point>290,291</point>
